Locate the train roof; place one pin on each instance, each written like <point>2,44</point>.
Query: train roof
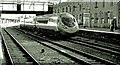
<point>51,15</point>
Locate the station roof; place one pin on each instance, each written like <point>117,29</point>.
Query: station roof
<point>42,1</point>
<point>23,0</point>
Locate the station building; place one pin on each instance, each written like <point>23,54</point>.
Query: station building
<point>102,13</point>
<point>77,9</point>
<point>91,14</point>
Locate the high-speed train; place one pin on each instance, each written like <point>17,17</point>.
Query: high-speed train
<point>62,23</point>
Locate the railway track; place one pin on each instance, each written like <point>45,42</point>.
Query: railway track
<point>112,50</point>
<point>72,53</point>
<point>104,37</point>
<point>48,56</point>
<point>111,46</point>
<point>15,53</point>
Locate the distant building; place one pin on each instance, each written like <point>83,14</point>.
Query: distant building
<point>91,14</point>
<point>102,13</point>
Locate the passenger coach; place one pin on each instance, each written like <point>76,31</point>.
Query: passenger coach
<point>63,24</point>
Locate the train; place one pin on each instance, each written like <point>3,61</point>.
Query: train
<point>55,24</point>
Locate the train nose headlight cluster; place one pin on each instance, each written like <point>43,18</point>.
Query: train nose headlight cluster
<point>75,26</point>
<point>65,27</point>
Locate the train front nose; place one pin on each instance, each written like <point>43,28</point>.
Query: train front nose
<point>72,29</point>
<point>68,28</point>
<point>67,24</point>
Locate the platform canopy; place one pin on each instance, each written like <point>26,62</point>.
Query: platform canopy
<point>55,1</point>
<point>26,5</point>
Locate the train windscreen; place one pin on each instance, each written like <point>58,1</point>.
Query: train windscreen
<point>67,20</point>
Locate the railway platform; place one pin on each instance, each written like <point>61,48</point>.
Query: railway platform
<point>100,29</point>
<point>102,34</point>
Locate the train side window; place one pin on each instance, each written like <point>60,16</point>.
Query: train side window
<point>43,22</point>
<point>58,20</point>
<point>51,20</point>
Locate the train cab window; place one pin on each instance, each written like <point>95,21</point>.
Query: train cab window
<point>69,21</point>
<point>51,20</point>
<point>45,22</point>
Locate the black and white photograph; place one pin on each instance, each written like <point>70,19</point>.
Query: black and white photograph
<point>59,32</point>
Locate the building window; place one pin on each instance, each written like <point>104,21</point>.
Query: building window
<point>79,7</point>
<point>106,17</point>
<point>96,18</point>
<point>111,3</point>
<point>66,9</point>
<point>70,8</point>
<point>58,10</point>
<point>103,3</point>
<point>62,9</point>
<point>96,5</point>
<point>74,8</point>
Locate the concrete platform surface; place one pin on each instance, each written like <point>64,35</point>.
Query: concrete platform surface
<point>101,29</point>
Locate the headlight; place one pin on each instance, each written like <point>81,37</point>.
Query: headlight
<point>65,27</point>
